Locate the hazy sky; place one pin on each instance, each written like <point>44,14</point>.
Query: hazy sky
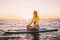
<point>16,9</point>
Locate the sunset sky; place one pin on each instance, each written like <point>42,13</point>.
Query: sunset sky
<point>23,9</point>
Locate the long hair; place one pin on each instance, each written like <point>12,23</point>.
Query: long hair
<point>35,13</point>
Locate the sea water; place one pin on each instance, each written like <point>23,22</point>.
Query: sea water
<point>17,24</point>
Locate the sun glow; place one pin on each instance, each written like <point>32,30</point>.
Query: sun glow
<point>23,9</point>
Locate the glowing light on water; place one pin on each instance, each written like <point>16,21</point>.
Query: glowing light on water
<point>26,20</point>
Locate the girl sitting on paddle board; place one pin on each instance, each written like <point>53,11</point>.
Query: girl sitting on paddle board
<point>34,21</point>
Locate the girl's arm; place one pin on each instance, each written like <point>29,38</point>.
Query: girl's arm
<point>31,21</point>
